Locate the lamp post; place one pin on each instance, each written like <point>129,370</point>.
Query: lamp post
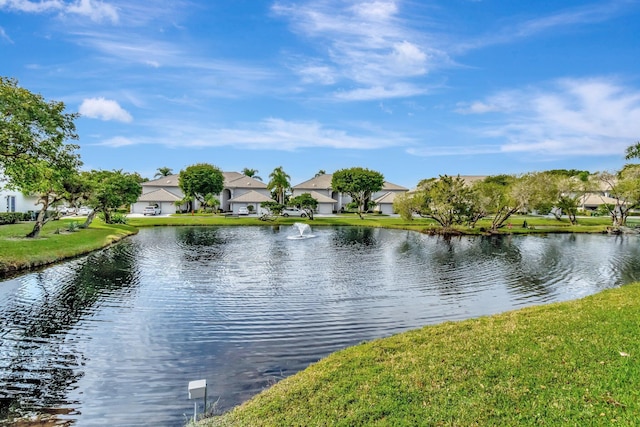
<point>198,389</point>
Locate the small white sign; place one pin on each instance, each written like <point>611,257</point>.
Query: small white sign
<point>197,389</point>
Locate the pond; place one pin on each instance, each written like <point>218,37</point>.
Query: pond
<point>113,338</point>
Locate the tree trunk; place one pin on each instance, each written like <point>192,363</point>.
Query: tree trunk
<point>89,219</point>
<point>107,216</point>
<point>37,226</point>
<point>40,221</point>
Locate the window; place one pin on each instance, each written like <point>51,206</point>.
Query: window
<point>11,203</point>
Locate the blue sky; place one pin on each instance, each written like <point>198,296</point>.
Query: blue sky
<point>412,88</point>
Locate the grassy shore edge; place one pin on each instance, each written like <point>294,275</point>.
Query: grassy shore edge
<point>18,254</point>
<point>55,244</point>
<point>569,363</point>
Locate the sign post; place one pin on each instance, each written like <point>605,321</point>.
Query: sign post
<point>198,389</point>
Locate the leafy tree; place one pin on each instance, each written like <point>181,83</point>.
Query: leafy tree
<point>77,190</point>
<point>320,173</point>
<point>405,205</point>
<point>279,184</point>
<point>305,202</point>
<point>252,173</point>
<point>211,201</point>
<point>359,183</point>
<point>33,130</point>
<point>633,151</point>
<point>163,171</point>
<point>502,196</point>
<point>110,190</point>
<point>571,191</point>
<point>447,200</point>
<point>48,184</point>
<point>198,180</point>
<point>625,189</point>
<point>34,155</point>
<point>274,208</point>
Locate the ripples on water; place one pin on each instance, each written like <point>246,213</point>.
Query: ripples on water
<point>114,338</point>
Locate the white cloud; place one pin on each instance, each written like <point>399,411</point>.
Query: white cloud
<point>502,102</point>
<point>268,134</point>
<point>118,141</point>
<point>571,117</point>
<point>459,150</point>
<point>567,18</point>
<point>32,7</point>
<point>376,10</point>
<point>364,43</point>
<point>96,10</point>
<point>408,59</point>
<point>104,109</point>
<point>5,36</point>
<point>381,92</point>
<point>321,74</point>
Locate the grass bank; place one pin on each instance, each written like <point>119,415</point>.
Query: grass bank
<point>55,243</point>
<point>534,225</point>
<point>575,363</point>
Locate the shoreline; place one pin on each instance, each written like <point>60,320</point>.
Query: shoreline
<point>19,254</point>
<point>45,255</point>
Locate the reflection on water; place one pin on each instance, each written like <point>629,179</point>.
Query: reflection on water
<point>115,337</point>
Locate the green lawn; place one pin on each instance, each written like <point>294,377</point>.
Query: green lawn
<point>55,242</point>
<point>536,224</point>
<point>565,364</point>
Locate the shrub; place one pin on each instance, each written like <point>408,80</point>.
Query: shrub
<point>116,218</point>
<point>13,217</point>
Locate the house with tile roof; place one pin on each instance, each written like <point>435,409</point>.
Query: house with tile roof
<point>239,191</point>
<point>330,201</point>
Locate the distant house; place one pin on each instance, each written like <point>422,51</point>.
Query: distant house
<point>16,201</point>
<point>384,204</point>
<point>330,201</point>
<point>239,191</point>
<point>320,189</point>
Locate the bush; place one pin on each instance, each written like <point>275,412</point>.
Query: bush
<point>116,218</point>
<point>11,217</point>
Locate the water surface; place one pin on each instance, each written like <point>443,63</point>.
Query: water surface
<point>113,338</point>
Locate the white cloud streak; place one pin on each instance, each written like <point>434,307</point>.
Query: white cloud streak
<point>95,10</point>
<point>104,109</point>
<point>364,43</point>
<point>570,17</point>
<point>587,117</point>
<point>4,36</point>
<point>268,134</point>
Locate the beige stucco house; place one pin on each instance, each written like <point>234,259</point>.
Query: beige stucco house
<point>330,201</point>
<point>239,191</point>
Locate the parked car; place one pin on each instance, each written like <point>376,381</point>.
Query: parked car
<point>243,211</point>
<point>151,210</point>
<point>63,210</point>
<point>294,212</point>
<point>84,211</point>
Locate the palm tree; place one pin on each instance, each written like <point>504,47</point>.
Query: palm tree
<point>163,171</point>
<point>320,173</point>
<point>279,183</point>
<point>251,173</point>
